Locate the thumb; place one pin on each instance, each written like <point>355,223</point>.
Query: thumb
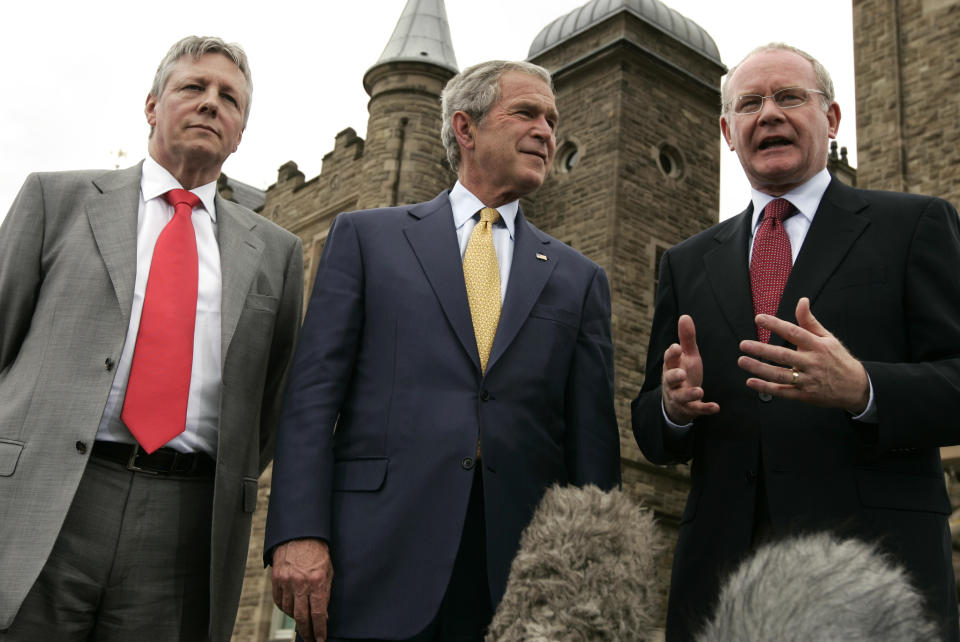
<point>687,335</point>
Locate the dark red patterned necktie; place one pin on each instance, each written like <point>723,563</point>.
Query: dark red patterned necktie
<point>155,406</point>
<point>771,261</point>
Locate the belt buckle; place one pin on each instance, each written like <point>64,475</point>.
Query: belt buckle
<point>132,463</point>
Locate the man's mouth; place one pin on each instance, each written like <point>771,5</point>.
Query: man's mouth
<point>541,155</point>
<point>774,141</point>
<point>209,129</point>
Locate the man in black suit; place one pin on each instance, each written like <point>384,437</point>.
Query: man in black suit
<point>824,410</point>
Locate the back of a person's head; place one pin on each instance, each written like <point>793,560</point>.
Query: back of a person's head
<point>819,588</point>
<point>587,569</point>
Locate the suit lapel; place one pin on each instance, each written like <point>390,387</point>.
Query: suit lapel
<point>113,220</point>
<point>832,233</point>
<point>240,255</point>
<point>729,276</point>
<point>433,239</point>
<point>528,275</point>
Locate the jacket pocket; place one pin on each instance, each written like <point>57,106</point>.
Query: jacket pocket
<point>553,313</point>
<point>263,302</point>
<point>9,456</point>
<point>902,491</point>
<point>360,474</point>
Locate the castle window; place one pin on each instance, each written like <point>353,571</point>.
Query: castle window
<point>568,156</point>
<point>670,161</point>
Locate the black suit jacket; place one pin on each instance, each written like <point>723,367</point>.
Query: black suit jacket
<point>882,271</point>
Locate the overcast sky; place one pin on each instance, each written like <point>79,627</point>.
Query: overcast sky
<point>76,74</point>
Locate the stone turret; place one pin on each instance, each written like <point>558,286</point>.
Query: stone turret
<point>637,171</point>
<point>403,150</point>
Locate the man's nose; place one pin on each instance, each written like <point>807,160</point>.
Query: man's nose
<point>542,128</point>
<point>770,111</point>
<point>208,105</point>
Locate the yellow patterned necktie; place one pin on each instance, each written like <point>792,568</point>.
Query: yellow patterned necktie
<point>482,276</point>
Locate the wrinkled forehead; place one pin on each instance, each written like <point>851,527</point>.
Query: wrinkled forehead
<point>208,65</point>
<point>767,71</point>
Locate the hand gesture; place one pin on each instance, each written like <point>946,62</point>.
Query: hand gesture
<point>683,376</point>
<point>821,371</point>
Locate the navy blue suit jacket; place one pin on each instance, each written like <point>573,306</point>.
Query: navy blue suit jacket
<point>386,403</point>
<point>881,271</point>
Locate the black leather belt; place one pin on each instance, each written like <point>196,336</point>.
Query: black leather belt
<point>163,461</point>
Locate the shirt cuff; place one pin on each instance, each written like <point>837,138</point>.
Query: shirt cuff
<point>682,430</point>
<point>870,414</point>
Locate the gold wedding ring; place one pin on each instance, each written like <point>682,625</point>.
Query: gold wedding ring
<point>796,377</point>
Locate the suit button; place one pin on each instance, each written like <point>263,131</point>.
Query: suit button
<point>484,395</point>
<point>81,447</point>
<point>108,364</point>
<point>467,463</point>
<point>765,397</point>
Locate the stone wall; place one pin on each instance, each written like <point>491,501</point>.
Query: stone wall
<point>907,62</point>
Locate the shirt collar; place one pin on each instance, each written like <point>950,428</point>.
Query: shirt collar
<point>464,205</point>
<point>806,198</point>
<point>155,181</point>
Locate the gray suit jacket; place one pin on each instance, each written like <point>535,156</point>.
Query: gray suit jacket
<point>67,269</point>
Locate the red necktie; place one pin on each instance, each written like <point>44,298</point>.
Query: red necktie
<point>155,407</point>
<point>771,262</point>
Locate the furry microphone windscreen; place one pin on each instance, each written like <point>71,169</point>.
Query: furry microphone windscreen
<point>588,568</point>
<point>818,587</point>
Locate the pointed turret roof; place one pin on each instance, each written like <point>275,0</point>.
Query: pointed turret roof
<point>423,35</point>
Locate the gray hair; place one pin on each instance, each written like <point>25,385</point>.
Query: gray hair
<point>197,46</point>
<point>474,91</point>
<point>818,587</point>
<point>824,82</point>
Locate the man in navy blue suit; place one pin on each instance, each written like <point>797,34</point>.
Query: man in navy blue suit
<point>825,413</point>
<point>414,443</point>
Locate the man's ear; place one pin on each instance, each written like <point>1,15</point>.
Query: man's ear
<point>464,129</point>
<point>150,110</point>
<point>725,129</point>
<point>833,119</point>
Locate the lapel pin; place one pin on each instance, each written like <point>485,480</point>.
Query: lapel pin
<point>542,257</point>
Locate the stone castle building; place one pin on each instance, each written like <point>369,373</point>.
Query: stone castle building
<point>636,171</point>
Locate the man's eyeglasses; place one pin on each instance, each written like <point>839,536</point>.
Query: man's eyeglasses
<point>786,98</point>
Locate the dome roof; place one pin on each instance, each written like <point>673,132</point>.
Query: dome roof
<point>653,12</point>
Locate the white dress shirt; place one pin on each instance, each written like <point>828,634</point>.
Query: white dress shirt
<point>203,404</point>
<point>466,208</point>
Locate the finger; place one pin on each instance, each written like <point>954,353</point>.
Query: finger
<point>674,378</point>
<point>301,615</point>
<point>806,319</point>
<point>776,354</point>
<point>687,335</point>
<point>776,389</point>
<point>791,332</point>
<point>699,408</point>
<point>671,357</point>
<point>685,395</point>
<point>319,613</point>
<point>766,371</point>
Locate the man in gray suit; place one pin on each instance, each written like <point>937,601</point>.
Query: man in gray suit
<point>104,535</point>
